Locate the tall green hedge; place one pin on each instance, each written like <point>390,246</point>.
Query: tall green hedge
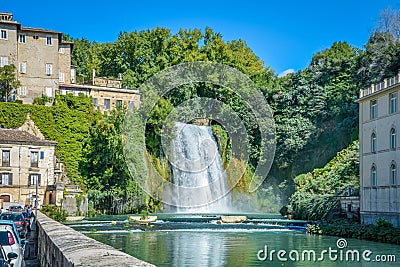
<point>66,122</point>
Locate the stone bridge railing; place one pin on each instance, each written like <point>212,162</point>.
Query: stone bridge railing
<point>60,246</point>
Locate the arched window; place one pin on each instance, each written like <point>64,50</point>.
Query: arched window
<point>393,174</point>
<point>373,143</point>
<point>373,176</point>
<point>393,138</point>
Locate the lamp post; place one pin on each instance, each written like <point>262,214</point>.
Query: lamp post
<point>36,198</point>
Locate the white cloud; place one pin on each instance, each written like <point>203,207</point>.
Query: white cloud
<point>285,72</point>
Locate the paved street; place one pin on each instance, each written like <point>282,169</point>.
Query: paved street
<point>30,250</point>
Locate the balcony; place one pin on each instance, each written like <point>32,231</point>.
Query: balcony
<point>386,83</point>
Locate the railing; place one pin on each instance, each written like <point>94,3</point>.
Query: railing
<point>388,82</point>
<point>348,192</point>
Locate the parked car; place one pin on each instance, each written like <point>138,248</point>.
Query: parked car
<point>18,219</point>
<point>15,208</point>
<point>9,242</point>
<point>5,259</point>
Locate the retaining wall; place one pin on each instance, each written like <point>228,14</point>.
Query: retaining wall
<point>61,246</point>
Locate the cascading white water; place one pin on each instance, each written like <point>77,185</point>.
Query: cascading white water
<point>197,166</point>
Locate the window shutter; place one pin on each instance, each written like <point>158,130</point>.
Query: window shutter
<point>10,179</point>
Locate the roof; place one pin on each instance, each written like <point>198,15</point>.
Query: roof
<point>39,30</point>
<point>14,136</point>
<point>99,88</point>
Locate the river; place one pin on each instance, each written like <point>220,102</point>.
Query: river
<point>200,240</point>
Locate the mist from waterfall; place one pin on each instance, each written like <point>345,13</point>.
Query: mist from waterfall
<point>197,166</point>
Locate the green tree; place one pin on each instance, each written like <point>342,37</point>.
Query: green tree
<point>8,81</point>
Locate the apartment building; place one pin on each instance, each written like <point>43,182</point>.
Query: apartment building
<point>379,125</point>
<point>43,62</point>
<point>26,160</point>
<point>41,57</point>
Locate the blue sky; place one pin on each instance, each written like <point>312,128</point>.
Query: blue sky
<point>284,34</point>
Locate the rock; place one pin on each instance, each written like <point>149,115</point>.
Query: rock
<point>140,219</point>
<point>75,218</point>
<point>233,219</point>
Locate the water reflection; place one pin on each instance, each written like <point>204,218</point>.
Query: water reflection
<point>232,248</point>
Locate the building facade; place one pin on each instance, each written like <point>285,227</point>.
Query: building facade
<point>43,62</point>
<point>26,160</point>
<point>104,97</point>
<point>41,57</point>
<point>379,126</point>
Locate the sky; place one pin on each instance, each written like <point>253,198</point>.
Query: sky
<point>284,34</point>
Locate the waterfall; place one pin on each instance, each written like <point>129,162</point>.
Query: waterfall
<point>200,181</point>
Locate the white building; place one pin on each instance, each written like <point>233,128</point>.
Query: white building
<point>379,125</point>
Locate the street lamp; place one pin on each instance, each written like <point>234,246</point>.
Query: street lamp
<point>36,198</point>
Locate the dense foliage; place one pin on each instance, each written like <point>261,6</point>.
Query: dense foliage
<point>66,122</point>
<point>315,192</point>
<point>8,81</point>
<point>383,231</point>
<point>112,187</point>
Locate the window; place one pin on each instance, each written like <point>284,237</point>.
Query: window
<point>48,41</point>
<point>35,37</point>
<point>393,102</point>
<point>3,34</point>
<point>5,158</point>
<point>374,105</point>
<point>33,179</point>
<point>61,77</point>
<point>23,91</point>
<point>119,103</point>
<point>393,174</point>
<point>373,176</point>
<point>49,69</point>
<point>3,61</point>
<point>6,178</point>
<point>131,105</point>
<point>22,67</point>
<point>95,102</point>
<point>107,104</point>
<point>49,92</point>
<point>373,143</point>
<point>34,159</point>
<point>393,138</point>
<point>72,75</point>
<point>22,38</point>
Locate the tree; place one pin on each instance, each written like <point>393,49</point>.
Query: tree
<point>8,81</point>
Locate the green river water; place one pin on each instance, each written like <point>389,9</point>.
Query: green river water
<point>200,240</point>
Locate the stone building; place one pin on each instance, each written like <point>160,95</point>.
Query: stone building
<point>27,159</point>
<point>379,124</point>
<point>41,57</point>
<point>43,62</point>
<point>104,97</point>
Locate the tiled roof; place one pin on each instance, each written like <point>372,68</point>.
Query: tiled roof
<point>14,136</point>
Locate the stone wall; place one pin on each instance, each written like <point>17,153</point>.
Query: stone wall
<point>61,246</point>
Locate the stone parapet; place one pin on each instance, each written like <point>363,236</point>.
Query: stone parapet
<point>61,246</point>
